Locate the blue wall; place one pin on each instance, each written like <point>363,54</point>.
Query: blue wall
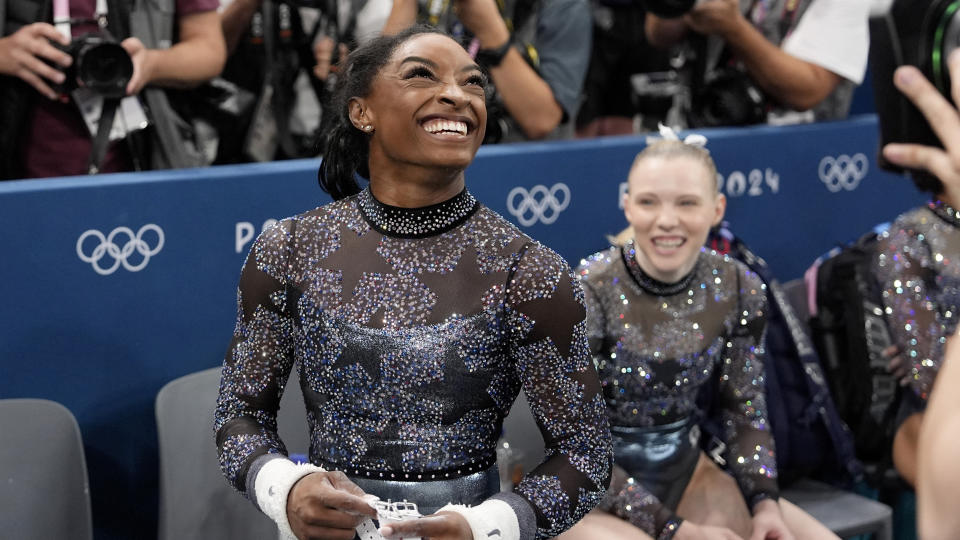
<point>103,343</point>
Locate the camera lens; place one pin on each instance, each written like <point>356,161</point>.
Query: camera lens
<point>944,32</point>
<point>105,67</point>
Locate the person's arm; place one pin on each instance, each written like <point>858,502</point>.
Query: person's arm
<point>235,19</point>
<point>903,266</point>
<point>302,499</point>
<point>742,397</point>
<point>403,14</point>
<point>198,56</point>
<point>22,55</point>
<point>938,474</point>
<point>526,95</point>
<point>548,343</point>
<point>795,83</point>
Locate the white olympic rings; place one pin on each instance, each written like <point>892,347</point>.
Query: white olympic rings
<point>107,246</point>
<point>538,204</point>
<point>843,172</point>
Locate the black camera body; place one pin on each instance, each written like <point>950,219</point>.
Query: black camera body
<point>99,63</point>
<point>921,33</point>
<point>728,98</point>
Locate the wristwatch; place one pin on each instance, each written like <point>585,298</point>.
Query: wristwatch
<point>491,58</point>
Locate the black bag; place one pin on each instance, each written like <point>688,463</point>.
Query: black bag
<point>850,333</point>
<point>812,441</point>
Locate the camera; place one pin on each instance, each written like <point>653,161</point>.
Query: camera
<point>99,63</point>
<point>728,98</point>
<point>918,33</point>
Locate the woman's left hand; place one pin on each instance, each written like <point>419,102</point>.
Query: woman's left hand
<point>768,522</point>
<point>441,526</point>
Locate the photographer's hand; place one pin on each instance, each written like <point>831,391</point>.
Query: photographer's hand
<point>142,66</point>
<point>719,17</point>
<point>943,118</point>
<point>323,53</point>
<point>22,55</point>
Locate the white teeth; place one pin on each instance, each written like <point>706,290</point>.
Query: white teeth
<point>668,243</point>
<point>439,125</point>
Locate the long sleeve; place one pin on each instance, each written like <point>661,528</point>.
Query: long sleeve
<point>750,452</point>
<point>258,361</point>
<point>548,344</point>
<point>907,278</point>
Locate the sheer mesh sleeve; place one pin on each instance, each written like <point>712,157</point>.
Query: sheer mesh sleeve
<point>907,276</point>
<point>629,500</point>
<point>750,451</point>
<point>548,344</point>
<point>258,361</point>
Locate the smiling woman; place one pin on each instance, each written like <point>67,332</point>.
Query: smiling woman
<point>414,315</point>
<point>666,318</point>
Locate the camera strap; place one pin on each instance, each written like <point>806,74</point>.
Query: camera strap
<point>99,149</point>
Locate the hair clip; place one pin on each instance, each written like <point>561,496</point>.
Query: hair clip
<point>667,133</point>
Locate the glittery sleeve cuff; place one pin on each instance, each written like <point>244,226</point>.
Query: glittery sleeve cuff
<point>492,519</point>
<point>670,528</point>
<point>272,485</point>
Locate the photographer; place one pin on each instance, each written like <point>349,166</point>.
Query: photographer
<point>42,129</point>
<point>283,53</point>
<point>536,52</point>
<point>804,55</point>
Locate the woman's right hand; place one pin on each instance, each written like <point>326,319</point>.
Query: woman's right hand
<point>691,531</point>
<point>326,505</point>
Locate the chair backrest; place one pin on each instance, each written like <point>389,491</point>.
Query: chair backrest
<point>195,499</point>
<point>44,491</point>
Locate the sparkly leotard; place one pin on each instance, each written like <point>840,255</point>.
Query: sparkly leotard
<point>918,266</point>
<point>413,331</point>
<point>656,345</point>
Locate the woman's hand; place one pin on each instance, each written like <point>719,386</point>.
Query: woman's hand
<point>691,531</point>
<point>440,526</point>
<point>326,506</point>
<point>768,522</point>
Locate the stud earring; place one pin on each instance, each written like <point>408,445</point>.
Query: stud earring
<point>368,128</point>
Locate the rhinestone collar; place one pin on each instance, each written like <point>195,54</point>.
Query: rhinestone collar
<point>416,222</point>
<point>649,284</point>
<point>946,212</point>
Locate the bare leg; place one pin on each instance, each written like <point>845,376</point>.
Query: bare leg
<point>803,525</point>
<point>600,524</point>
<point>905,448</point>
<point>713,498</point>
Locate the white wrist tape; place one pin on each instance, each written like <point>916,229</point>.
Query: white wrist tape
<point>490,520</point>
<point>272,487</point>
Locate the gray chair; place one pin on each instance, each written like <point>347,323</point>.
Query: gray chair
<point>196,502</point>
<point>44,491</point>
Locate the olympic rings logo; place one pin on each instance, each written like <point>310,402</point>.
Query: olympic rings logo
<point>843,172</point>
<point>539,204</point>
<point>108,246</point>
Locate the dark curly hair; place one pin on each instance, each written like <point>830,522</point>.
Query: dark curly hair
<point>346,148</point>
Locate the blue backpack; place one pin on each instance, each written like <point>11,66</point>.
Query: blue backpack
<point>812,441</point>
